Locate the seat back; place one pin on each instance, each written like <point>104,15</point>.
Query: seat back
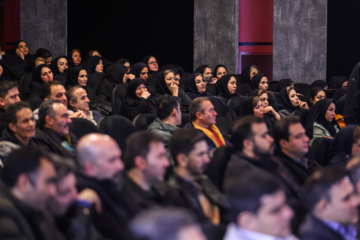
<point>81,127</point>
<point>117,98</point>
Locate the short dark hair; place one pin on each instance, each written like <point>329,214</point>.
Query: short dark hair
<point>197,106</point>
<point>242,130</point>
<point>63,166</point>
<point>160,223</point>
<point>5,86</point>
<point>138,144</point>
<point>13,109</point>
<point>184,140</point>
<point>166,104</point>
<point>46,90</point>
<point>46,109</point>
<point>24,160</point>
<point>70,93</point>
<point>281,128</point>
<point>245,190</point>
<point>318,185</point>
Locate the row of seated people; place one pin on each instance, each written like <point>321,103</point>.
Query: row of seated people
<point>259,195</point>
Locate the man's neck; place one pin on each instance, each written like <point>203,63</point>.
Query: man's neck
<point>201,124</point>
<point>138,177</point>
<point>182,172</point>
<point>293,156</point>
<point>24,141</point>
<point>170,121</point>
<point>249,154</point>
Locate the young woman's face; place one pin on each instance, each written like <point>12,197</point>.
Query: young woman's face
<point>169,79</point>
<point>46,75</point>
<point>99,67</point>
<point>207,72</point>
<point>153,64</point>
<point>330,113</point>
<point>200,84</point>
<point>144,73</point>
<point>259,110</point>
<point>220,72</point>
<point>76,58</point>
<point>264,98</point>
<point>253,72</point>
<point>264,84</point>
<point>62,64</point>
<point>139,91</point>
<point>23,48</point>
<point>320,95</point>
<point>82,78</point>
<point>127,64</point>
<point>294,98</point>
<point>232,85</point>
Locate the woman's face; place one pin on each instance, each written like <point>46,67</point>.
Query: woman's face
<point>264,84</point>
<point>232,85</point>
<point>330,113</point>
<point>294,98</point>
<point>220,72</point>
<point>344,85</point>
<point>82,78</point>
<point>153,64</point>
<point>169,79</point>
<point>253,72</point>
<point>264,98</point>
<point>76,58</point>
<point>259,110</point>
<point>207,72</point>
<point>139,91</point>
<point>127,64</point>
<point>99,67</point>
<point>320,95</point>
<point>23,48</point>
<point>200,84</point>
<point>46,75</point>
<point>144,73</point>
<point>95,53</point>
<point>62,64</point>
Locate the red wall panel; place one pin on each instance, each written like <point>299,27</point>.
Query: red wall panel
<point>11,30</point>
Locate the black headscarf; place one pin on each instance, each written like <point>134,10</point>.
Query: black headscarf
<point>245,75</point>
<point>317,114</point>
<point>336,82</point>
<point>70,59</point>
<point>222,88</point>
<point>283,101</point>
<point>161,87</point>
<point>146,61</point>
<point>91,64</point>
<point>342,143</point>
<point>54,65</point>
<point>283,83</point>
<point>37,83</point>
<point>132,86</point>
<point>115,73</point>
<point>247,106</point>
<point>319,83</point>
<point>72,77</point>
<point>217,67</point>
<point>137,68</point>
<point>255,81</point>
<point>44,53</point>
<point>7,74</point>
<point>191,88</point>
<point>201,69</point>
<point>122,61</point>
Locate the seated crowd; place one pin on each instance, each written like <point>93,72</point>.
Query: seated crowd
<point>108,150</point>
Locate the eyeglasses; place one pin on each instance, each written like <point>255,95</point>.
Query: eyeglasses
<point>153,62</point>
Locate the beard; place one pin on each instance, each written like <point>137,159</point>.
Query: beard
<point>258,151</point>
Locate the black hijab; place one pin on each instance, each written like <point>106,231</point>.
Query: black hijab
<point>70,59</point>
<point>132,86</point>
<point>42,52</point>
<point>137,68</point>
<point>255,81</point>
<point>122,61</point>
<point>222,88</point>
<point>72,77</point>
<point>336,82</point>
<point>247,106</point>
<point>319,83</point>
<point>7,74</point>
<point>115,73</point>
<point>146,61</point>
<point>161,87</point>
<point>283,83</point>
<point>317,114</point>
<point>91,64</point>
<point>201,69</point>
<point>283,101</point>
<point>217,67</point>
<point>191,88</point>
<point>54,65</point>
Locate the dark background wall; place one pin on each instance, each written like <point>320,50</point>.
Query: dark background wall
<point>133,29</point>
<point>343,41</point>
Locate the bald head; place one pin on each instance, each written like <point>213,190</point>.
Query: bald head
<point>99,157</point>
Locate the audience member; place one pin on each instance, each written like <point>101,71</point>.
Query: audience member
<point>9,94</point>
<point>196,86</point>
<point>288,102</point>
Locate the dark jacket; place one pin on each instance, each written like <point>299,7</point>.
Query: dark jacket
<point>315,229</point>
<point>352,99</point>
<point>50,141</point>
<point>19,221</point>
<point>117,209</point>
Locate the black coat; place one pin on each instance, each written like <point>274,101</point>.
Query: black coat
<point>314,229</point>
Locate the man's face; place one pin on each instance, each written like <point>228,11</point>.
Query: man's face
<point>157,162</point>
<point>298,143</point>
<point>263,142</point>
<point>343,203</point>
<point>65,197</point>
<point>208,117</point>
<point>178,116</point>
<point>25,125</point>
<point>108,162</point>
<point>274,216</point>
<point>198,158</point>
<point>41,185</point>
<point>11,97</point>
<point>58,92</point>
<point>82,102</point>
<point>60,122</point>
